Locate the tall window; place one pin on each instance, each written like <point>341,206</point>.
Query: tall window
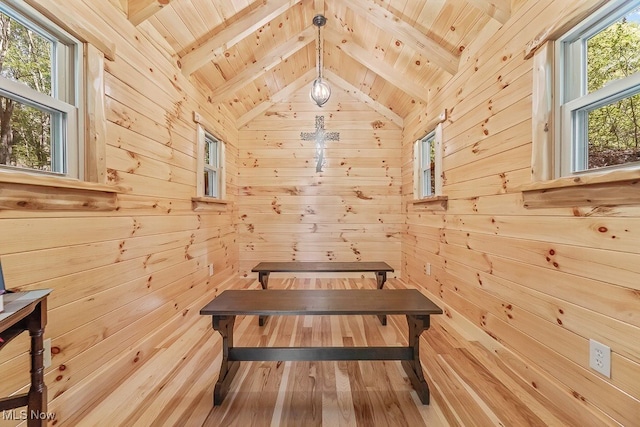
<point>211,159</point>
<point>212,149</point>
<point>425,154</point>
<point>598,111</point>
<point>40,76</point>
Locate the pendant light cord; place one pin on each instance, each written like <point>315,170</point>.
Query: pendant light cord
<point>319,56</point>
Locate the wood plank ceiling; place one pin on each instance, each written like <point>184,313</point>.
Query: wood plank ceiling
<point>252,53</point>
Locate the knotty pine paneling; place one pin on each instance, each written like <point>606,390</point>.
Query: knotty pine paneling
<point>351,211</point>
<point>125,280</point>
<point>536,284</point>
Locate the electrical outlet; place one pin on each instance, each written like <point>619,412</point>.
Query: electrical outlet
<point>210,269</point>
<point>427,269</point>
<point>47,352</point>
<point>600,358</point>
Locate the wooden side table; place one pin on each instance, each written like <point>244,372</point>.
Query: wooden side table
<point>27,311</point>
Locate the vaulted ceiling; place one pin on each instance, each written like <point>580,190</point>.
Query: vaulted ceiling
<point>253,53</point>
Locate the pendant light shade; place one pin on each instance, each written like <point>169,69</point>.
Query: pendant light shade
<point>320,90</point>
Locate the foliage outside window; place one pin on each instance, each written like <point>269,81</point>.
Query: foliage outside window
<point>598,68</point>
<point>40,71</point>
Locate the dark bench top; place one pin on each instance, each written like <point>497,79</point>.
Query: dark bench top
<point>319,267</point>
<point>321,302</point>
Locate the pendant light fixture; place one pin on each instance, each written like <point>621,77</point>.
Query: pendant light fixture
<point>320,91</point>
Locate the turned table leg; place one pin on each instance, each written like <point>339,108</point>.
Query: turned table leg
<point>263,277</point>
<point>37,396</point>
<point>228,369</point>
<point>413,368</point>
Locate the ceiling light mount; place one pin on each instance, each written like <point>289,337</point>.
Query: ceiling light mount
<point>319,20</point>
<point>320,90</point>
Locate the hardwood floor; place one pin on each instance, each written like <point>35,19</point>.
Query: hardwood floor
<point>469,386</point>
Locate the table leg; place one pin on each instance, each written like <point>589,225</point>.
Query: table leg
<point>381,277</point>
<point>413,368</point>
<point>37,396</point>
<point>228,369</point>
<point>263,277</point>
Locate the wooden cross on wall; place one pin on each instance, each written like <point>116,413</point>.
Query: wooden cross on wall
<point>320,136</point>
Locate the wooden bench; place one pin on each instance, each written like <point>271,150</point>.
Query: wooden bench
<point>265,268</point>
<point>409,302</point>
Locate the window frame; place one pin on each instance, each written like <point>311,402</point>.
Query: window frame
<point>67,101</point>
<point>211,168</point>
<point>435,131</point>
<point>202,131</point>
<point>424,146</point>
<point>553,154</point>
<point>573,100</point>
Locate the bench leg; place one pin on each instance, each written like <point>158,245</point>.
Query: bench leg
<point>381,277</point>
<point>413,368</point>
<point>263,277</point>
<point>228,369</point>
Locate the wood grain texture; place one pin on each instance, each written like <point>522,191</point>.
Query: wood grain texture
<point>289,212</point>
<point>530,290</point>
<point>120,267</point>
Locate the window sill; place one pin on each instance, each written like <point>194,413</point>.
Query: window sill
<point>21,190</point>
<point>208,204</point>
<point>435,203</point>
<point>611,188</point>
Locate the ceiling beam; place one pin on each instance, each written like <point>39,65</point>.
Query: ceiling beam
<point>346,44</point>
<point>270,60</point>
<point>279,96</point>
<point>215,47</point>
<point>139,11</point>
<point>364,98</point>
<point>403,31</point>
<point>500,10</point>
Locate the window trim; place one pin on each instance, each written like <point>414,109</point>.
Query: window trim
<point>424,186</point>
<point>546,130</point>
<point>202,201</point>
<point>215,185</point>
<point>434,127</point>
<point>66,100</point>
<point>96,193</point>
<point>571,103</point>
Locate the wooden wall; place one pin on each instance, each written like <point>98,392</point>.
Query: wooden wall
<point>123,281</point>
<point>349,212</point>
<point>534,285</point>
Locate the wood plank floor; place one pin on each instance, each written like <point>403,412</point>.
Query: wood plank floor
<point>469,385</point>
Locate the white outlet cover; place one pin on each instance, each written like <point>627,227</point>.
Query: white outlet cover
<point>600,358</point>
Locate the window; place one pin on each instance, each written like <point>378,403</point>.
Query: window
<point>586,96</point>
<point>426,161</point>
<point>211,157</point>
<point>427,156</point>
<point>212,149</point>
<point>41,75</point>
